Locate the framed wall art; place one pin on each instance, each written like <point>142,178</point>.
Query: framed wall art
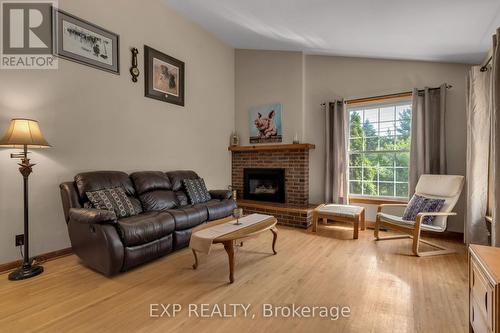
<point>265,124</point>
<point>86,43</point>
<point>163,77</point>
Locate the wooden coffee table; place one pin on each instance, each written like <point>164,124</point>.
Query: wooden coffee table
<point>229,240</point>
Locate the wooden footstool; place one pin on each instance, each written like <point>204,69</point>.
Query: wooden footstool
<point>340,213</point>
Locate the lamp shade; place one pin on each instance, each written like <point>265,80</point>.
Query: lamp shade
<point>24,132</point>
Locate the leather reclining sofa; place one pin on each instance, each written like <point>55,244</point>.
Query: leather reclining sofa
<point>110,245</point>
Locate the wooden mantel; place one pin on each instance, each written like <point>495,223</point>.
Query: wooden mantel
<point>294,146</point>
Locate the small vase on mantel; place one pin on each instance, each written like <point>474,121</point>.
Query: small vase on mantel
<point>296,139</point>
<point>235,139</point>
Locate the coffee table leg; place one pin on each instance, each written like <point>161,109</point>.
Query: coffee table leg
<point>195,265</point>
<point>275,237</point>
<point>229,247</point>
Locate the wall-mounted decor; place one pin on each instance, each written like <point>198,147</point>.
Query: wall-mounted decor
<point>134,71</point>
<point>265,124</point>
<point>163,77</point>
<point>86,43</point>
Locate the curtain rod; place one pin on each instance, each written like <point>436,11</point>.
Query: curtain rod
<point>402,94</point>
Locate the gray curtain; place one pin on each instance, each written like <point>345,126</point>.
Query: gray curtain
<point>495,138</point>
<point>478,154</point>
<point>428,149</point>
<point>336,153</point>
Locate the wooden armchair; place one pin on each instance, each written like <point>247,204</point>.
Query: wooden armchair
<point>447,187</point>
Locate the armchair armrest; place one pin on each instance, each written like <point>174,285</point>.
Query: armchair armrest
<point>221,194</point>
<point>91,215</point>
<point>382,206</point>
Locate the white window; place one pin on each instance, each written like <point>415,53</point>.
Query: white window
<point>379,149</point>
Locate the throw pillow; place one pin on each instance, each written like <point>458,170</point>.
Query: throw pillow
<point>196,190</point>
<point>420,204</point>
<point>114,199</point>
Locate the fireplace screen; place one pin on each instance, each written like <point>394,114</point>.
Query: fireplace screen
<point>264,185</point>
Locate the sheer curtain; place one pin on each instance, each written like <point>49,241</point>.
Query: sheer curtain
<point>478,154</point>
<point>336,153</point>
<point>428,143</point>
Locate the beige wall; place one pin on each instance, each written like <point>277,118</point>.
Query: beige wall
<point>329,77</point>
<point>268,77</point>
<point>96,120</point>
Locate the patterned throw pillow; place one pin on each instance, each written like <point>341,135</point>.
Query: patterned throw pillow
<point>420,204</point>
<point>196,190</point>
<point>113,199</point>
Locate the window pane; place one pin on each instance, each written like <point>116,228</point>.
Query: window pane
<point>371,144</point>
<point>386,129</point>
<point>355,187</point>
<point>386,174</point>
<point>370,173</point>
<point>356,144</point>
<point>403,112</point>
<point>403,159</point>
<point>387,160</point>
<point>370,159</point>
<point>387,113</point>
<point>402,190</point>
<point>403,129</point>
<point>369,188</point>
<point>355,173</point>
<point>371,116</point>
<point>386,189</point>
<point>355,160</point>
<point>402,174</point>
<point>402,143</point>
<point>387,143</point>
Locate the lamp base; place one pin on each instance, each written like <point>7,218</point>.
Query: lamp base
<point>25,272</point>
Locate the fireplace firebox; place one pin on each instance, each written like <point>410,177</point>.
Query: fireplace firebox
<point>264,184</point>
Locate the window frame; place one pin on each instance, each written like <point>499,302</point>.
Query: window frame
<point>376,104</point>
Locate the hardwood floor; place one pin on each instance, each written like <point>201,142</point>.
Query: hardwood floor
<point>386,288</point>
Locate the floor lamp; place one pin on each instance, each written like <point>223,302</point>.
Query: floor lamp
<point>24,133</point>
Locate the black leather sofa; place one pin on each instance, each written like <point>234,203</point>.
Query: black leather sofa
<point>110,245</point>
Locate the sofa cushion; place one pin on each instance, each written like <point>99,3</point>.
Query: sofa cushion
<point>218,209</point>
<point>136,255</point>
<point>101,180</point>
<point>196,190</point>
<point>188,217</point>
<point>145,227</point>
<point>147,181</point>
<point>159,200</point>
<point>113,199</point>
<point>182,198</point>
<point>176,178</point>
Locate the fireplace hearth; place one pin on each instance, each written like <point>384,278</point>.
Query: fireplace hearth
<point>264,184</point>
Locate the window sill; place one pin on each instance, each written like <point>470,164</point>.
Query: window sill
<point>376,200</point>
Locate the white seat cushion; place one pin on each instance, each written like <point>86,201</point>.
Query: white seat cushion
<point>340,210</point>
<point>399,220</point>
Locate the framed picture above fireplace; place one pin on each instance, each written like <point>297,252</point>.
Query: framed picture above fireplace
<point>265,124</point>
<point>264,184</point>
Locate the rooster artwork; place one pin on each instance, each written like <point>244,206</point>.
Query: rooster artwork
<point>265,124</point>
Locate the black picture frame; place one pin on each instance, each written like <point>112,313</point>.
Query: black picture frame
<point>63,51</point>
<point>154,82</point>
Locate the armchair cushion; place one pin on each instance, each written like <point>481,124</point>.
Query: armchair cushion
<point>399,221</point>
<point>421,204</point>
<point>91,215</point>
<point>221,194</point>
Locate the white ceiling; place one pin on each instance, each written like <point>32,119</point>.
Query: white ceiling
<point>432,30</point>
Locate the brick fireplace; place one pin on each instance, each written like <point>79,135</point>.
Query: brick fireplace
<point>294,160</point>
